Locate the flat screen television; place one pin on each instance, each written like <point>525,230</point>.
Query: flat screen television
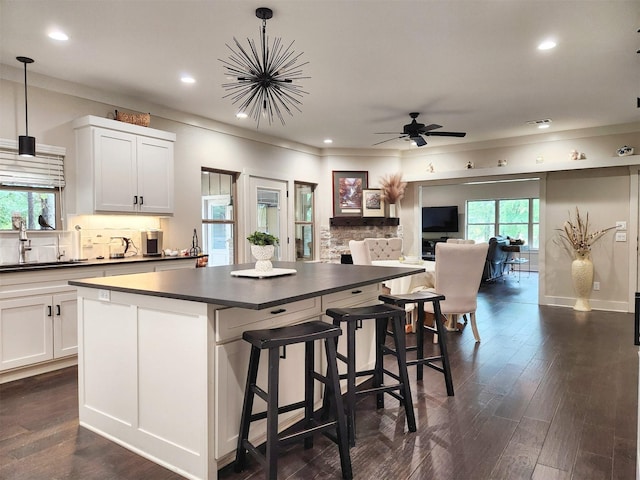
<point>440,219</point>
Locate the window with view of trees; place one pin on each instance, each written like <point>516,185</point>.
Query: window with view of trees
<point>28,204</point>
<point>218,216</point>
<point>515,218</point>
<point>304,197</point>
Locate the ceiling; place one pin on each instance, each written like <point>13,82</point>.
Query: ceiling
<point>467,65</point>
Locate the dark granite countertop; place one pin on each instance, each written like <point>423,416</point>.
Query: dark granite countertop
<point>31,266</point>
<point>215,285</point>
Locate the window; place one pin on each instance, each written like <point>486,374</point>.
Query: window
<point>30,188</point>
<point>304,198</point>
<point>515,218</point>
<point>218,216</point>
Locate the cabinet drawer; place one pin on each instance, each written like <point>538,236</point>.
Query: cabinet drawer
<point>231,322</point>
<point>353,295</point>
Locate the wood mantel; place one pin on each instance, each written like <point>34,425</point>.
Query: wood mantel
<point>364,222</point>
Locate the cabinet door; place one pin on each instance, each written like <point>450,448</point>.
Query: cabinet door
<point>65,325</point>
<point>115,170</point>
<point>155,175</point>
<point>26,331</point>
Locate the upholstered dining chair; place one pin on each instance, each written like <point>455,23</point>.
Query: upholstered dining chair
<point>359,252</point>
<point>458,273</point>
<point>384,248</point>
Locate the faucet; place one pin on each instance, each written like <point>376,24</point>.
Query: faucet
<point>59,254</point>
<point>25,243</point>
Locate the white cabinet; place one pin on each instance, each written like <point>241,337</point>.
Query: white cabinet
<point>123,168</point>
<point>37,328</point>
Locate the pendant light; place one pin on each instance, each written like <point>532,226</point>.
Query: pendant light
<point>26,144</point>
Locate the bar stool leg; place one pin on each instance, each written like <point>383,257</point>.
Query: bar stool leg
<point>398,324</point>
<point>381,329</point>
<point>420,340</point>
<point>309,367</point>
<point>247,407</point>
<point>351,382</point>
<point>332,392</point>
<point>442,343</point>
<point>271,468</point>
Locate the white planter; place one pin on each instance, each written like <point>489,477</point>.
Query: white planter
<point>263,254</point>
<point>582,276</point>
<point>392,210</point>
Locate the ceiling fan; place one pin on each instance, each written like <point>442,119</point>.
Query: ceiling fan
<point>414,131</point>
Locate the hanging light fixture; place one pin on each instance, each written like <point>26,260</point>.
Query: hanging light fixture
<point>26,144</point>
<point>264,79</point>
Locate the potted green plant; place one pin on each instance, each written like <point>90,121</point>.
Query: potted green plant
<point>262,248</point>
<point>262,238</point>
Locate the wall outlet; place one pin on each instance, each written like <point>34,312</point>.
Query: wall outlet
<point>621,236</point>
<point>596,285</point>
<point>104,295</point>
<point>621,225</point>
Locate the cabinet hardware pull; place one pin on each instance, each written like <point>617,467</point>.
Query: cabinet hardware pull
<point>358,324</point>
<point>355,292</point>
<point>58,310</point>
<point>283,355</point>
<point>141,200</point>
<point>280,310</point>
<point>135,199</point>
<point>49,310</point>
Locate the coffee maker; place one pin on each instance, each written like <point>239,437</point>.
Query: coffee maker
<point>151,243</point>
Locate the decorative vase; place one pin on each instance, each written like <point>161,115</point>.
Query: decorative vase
<point>263,254</point>
<point>392,210</point>
<point>582,276</point>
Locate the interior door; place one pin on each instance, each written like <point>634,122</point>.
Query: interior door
<point>268,212</point>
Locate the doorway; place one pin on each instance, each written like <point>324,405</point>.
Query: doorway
<point>268,211</point>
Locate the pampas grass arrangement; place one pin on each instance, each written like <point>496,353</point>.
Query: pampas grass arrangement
<point>392,188</point>
<point>576,234</point>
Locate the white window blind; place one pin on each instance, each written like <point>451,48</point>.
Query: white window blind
<point>45,170</point>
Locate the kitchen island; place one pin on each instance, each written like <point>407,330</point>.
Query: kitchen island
<point>162,364</point>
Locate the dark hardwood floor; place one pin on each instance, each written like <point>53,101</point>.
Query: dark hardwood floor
<point>549,394</point>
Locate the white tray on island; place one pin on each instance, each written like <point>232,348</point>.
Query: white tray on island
<point>253,273</point>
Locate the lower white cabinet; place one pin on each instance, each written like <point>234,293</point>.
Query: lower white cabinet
<point>37,328</point>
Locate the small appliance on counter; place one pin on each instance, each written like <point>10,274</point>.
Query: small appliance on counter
<point>118,246</point>
<point>151,243</point>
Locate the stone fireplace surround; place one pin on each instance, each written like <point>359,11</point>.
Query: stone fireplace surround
<point>334,241</point>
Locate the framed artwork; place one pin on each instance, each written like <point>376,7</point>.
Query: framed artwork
<point>372,203</point>
<point>347,192</point>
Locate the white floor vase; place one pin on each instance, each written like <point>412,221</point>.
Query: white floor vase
<point>582,276</point>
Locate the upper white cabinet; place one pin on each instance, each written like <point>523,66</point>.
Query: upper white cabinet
<point>122,167</point>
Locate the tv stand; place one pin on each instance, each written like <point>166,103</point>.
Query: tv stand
<point>429,247</point>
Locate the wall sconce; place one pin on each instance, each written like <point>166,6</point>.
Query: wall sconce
<point>26,144</point>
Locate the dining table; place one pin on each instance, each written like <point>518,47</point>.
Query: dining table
<point>402,285</point>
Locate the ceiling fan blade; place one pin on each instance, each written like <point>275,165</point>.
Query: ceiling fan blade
<point>389,139</point>
<point>428,128</point>
<point>420,142</point>
<point>446,134</point>
<point>388,133</point>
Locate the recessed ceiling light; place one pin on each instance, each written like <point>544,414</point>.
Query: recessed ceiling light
<point>187,79</point>
<point>328,140</point>
<point>547,45</point>
<point>544,125</point>
<point>58,35</point>
<point>241,115</point>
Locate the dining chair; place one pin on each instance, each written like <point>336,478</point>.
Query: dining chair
<point>459,269</point>
<point>359,252</point>
<point>461,241</point>
<point>384,248</point>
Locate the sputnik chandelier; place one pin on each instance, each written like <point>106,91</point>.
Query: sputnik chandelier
<point>264,79</point>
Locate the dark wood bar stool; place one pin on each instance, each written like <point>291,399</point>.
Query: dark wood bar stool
<point>420,298</point>
<point>273,340</point>
<point>354,317</point>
